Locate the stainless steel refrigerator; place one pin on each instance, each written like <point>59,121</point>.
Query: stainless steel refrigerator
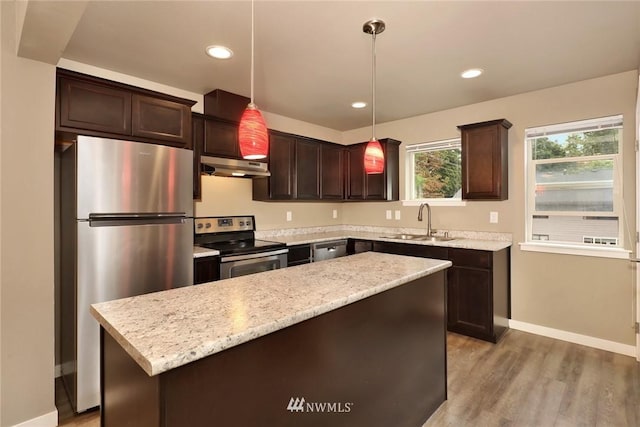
<point>126,228</point>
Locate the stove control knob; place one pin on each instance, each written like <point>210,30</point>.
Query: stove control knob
<point>208,225</point>
<point>241,223</point>
<point>248,223</point>
<point>199,226</point>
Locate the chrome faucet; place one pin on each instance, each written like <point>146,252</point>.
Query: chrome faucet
<point>429,231</point>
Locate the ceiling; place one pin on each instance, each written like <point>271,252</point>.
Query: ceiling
<point>312,59</point>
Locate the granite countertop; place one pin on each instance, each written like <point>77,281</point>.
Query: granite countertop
<point>461,241</point>
<point>199,252</point>
<point>165,330</point>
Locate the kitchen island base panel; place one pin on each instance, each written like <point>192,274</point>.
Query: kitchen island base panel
<point>380,361</point>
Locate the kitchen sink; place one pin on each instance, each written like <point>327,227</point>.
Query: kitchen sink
<point>421,237</point>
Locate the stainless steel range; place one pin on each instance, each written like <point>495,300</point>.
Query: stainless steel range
<point>240,252</point>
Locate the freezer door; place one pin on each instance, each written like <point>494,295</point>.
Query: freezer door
<point>117,261</point>
<point>116,176</point>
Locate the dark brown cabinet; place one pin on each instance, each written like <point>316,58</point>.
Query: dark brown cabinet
<point>332,172</point>
<point>478,286</point>
<point>294,163</point>
<point>485,160</point>
<point>93,106</point>
<point>478,293</point>
<point>299,254</point>
<point>363,186</point>
<point>197,133</point>
<point>280,185</point>
<point>206,269</point>
<point>423,251</point>
<point>356,246</point>
<point>84,105</point>
<point>159,119</point>
<point>221,138</point>
<point>307,169</point>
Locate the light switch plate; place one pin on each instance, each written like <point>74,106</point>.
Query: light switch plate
<point>289,216</point>
<point>397,214</point>
<point>335,213</point>
<point>388,214</point>
<point>493,217</point>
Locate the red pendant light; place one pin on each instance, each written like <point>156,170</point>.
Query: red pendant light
<point>373,154</point>
<point>373,157</point>
<point>252,132</point>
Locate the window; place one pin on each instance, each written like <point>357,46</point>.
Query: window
<point>434,171</point>
<point>574,183</point>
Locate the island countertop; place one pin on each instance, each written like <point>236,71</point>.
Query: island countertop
<point>168,329</point>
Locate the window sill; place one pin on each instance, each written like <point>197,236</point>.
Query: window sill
<point>434,202</point>
<point>557,248</point>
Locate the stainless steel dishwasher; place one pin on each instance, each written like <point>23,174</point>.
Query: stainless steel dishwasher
<point>328,250</point>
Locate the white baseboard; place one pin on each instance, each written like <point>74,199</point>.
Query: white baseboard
<point>46,420</point>
<point>615,347</point>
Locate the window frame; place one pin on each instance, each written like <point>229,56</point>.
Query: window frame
<point>584,249</point>
<point>410,151</point>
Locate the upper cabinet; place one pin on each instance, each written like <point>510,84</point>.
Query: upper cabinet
<point>485,160</point>
<point>331,171</point>
<point>382,186</point>
<point>281,184</point>
<point>221,138</point>
<point>307,169</point>
<point>93,106</point>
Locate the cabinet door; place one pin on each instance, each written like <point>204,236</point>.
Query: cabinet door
<point>281,166</point>
<point>221,139</point>
<point>161,119</point>
<point>307,161</point>
<point>485,174</point>
<point>206,269</point>
<point>355,172</point>
<point>299,254</point>
<point>332,172</point>
<point>470,311</point>
<point>84,105</point>
<point>198,142</point>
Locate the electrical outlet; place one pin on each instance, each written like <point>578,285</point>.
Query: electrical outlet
<point>335,213</point>
<point>493,217</point>
<point>397,214</point>
<point>388,214</point>
<point>289,216</point>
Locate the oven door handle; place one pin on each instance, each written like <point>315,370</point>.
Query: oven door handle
<point>253,256</point>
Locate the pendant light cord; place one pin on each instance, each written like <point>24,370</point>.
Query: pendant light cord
<point>252,46</point>
<point>373,85</point>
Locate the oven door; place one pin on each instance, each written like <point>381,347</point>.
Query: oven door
<point>241,265</point>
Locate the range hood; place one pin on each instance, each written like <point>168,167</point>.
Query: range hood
<point>232,167</point>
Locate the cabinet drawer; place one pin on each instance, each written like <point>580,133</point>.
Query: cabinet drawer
<point>470,258</point>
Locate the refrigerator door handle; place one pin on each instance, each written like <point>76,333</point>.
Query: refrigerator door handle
<point>134,215</point>
<point>129,220</point>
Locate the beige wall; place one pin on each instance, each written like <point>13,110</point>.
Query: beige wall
<point>232,196</point>
<point>585,295</point>
<point>26,224</point>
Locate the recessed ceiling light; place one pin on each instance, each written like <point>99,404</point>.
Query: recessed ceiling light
<point>219,52</point>
<point>471,73</point>
<point>359,104</point>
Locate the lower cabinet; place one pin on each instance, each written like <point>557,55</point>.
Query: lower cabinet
<point>206,269</point>
<point>299,254</point>
<point>478,293</point>
<point>356,246</point>
<point>478,286</point>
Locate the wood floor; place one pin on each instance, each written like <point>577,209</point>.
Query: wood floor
<point>525,380</point>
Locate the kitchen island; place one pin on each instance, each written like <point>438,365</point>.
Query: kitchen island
<point>352,341</point>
